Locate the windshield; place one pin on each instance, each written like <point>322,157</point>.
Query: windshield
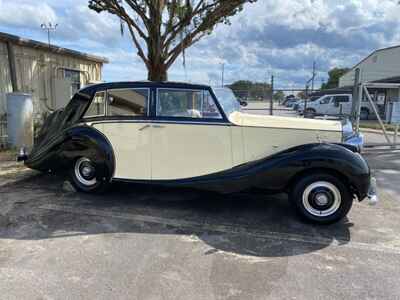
<point>227,99</point>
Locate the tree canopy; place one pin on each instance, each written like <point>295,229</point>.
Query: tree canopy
<point>161,30</point>
<point>334,76</point>
<point>245,89</point>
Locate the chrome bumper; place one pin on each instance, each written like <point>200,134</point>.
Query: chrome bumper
<point>372,194</point>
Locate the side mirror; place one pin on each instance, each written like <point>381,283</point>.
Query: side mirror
<point>336,104</point>
<point>243,103</point>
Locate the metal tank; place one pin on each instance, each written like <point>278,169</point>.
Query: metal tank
<point>20,120</point>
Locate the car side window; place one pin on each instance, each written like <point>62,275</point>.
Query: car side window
<point>326,100</point>
<point>127,102</point>
<point>341,99</point>
<point>186,104</point>
<point>97,106</point>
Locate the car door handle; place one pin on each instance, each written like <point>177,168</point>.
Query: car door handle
<point>144,127</point>
<point>157,126</point>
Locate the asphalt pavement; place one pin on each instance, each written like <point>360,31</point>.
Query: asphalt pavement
<point>150,243</point>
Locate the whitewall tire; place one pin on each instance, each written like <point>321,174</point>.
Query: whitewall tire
<point>321,198</point>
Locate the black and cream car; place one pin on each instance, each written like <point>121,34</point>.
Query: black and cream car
<point>178,134</point>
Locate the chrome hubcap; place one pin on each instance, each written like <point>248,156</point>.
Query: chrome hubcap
<point>321,199</point>
<point>85,171</point>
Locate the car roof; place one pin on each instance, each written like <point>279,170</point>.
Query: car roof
<point>141,84</point>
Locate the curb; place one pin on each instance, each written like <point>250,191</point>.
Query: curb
<point>375,131</point>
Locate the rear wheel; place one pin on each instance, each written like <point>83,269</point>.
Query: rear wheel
<point>321,198</point>
<point>309,113</point>
<point>84,175</point>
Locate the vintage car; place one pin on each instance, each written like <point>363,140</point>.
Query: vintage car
<point>187,135</point>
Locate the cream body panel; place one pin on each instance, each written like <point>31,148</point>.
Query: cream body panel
<point>132,148</point>
<point>261,142</point>
<point>250,120</point>
<point>182,151</point>
<point>263,136</point>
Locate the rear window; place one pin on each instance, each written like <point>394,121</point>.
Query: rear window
<point>127,102</point>
<point>97,107</point>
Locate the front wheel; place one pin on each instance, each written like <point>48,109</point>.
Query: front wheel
<point>83,176</point>
<point>309,113</point>
<point>321,198</point>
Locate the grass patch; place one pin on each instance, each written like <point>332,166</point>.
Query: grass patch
<point>377,126</point>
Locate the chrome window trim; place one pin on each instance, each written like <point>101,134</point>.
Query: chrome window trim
<point>124,89</point>
<point>221,116</point>
<point>160,121</point>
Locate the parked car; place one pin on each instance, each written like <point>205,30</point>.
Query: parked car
<point>291,102</point>
<point>186,135</point>
<point>298,104</point>
<point>338,104</point>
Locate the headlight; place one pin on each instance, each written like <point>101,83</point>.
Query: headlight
<point>350,137</point>
<point>347,130</point>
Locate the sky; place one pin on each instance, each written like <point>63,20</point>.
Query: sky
<point>268,37</point>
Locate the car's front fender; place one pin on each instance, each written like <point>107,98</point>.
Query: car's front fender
<point>277,172</point>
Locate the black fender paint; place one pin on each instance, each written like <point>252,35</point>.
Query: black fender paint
<point>278,172</point>
<point>60,152</point>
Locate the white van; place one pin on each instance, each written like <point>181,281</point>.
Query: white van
<point>336,104</point>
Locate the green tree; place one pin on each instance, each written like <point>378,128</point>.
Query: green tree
<point>279,96</point>
<point>249,90</point>
<point>334,76</point>
<point>161,30</point>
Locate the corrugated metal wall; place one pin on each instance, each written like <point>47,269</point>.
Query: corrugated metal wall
<point>5,80</point>
<point>36,70</point>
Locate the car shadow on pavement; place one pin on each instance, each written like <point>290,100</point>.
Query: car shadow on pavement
<point>245,224</point>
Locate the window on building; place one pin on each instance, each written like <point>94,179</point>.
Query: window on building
<point>186,104</point>
<point>97,106</point>
<point>75,77</point>
<point>128,102</point>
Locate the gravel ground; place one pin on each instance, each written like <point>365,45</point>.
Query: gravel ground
<point>145,243</point>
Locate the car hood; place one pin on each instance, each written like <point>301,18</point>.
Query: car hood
<point>252,120</point>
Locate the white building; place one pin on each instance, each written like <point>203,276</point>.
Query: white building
<point>382,65</point>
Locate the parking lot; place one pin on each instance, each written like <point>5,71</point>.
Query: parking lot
<point>151,243</point>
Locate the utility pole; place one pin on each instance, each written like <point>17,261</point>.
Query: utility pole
<point>223,74</point>
<point>313,76</point>
<point>49,28</point>
<point>271,105</point>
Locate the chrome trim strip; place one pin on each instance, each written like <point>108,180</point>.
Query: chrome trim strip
<point>161,121</point>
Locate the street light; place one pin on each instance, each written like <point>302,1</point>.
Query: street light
<point>49,28</point>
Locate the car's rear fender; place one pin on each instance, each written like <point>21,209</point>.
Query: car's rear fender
<point>72,143</point>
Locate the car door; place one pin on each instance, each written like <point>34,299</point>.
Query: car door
<point>342,104</point>
<point>127,127</point>
<point>190,137</point>
<point>324,105</point>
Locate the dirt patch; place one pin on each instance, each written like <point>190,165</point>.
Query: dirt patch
<point>7,155</point>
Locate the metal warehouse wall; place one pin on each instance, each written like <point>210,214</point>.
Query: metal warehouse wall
<point>36,72</point>
<point>5,80</point>
<point>379,65</point>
